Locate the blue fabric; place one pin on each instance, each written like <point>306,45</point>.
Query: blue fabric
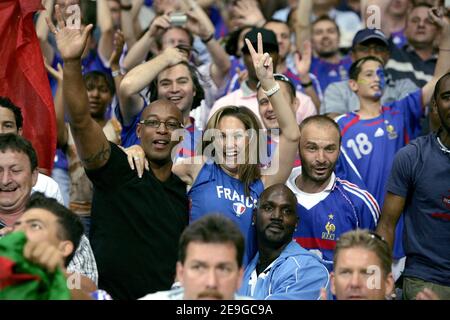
<point>91,62</point>
<point>421,175</point>
<point>347,207</point>
<point>216,192</point>
<point>328,73</point>
<point>372,144</point>
<point>295,275</point>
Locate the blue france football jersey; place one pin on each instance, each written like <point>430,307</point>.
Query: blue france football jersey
<point>327,73</point>
<point>372,144</point>
<point>324,216</point>
<point>216,192</point>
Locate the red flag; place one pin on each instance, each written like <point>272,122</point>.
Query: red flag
<point>23,77</point>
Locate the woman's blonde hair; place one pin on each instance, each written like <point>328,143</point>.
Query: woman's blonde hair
<point>250,171</point>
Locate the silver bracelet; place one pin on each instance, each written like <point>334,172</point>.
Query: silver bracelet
<point>116,73</point>
<point>272,90</point>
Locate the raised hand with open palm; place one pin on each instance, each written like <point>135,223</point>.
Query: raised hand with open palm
<point>70,41</point>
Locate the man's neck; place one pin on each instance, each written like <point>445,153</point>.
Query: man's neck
<point>101,121</point>
<point>333,59</point>
<point>307,185</point>
<point>321,10</point>
<point>424,52</point>
<point>369,109</point>
<point>162,171</point>
<point>187,119</point>
<point>397,23</point>
<point>444,136</point>
<point>267,255</point>
<point>9,217</point>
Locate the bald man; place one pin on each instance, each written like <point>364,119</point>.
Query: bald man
<point>136,222</point>
<point>281,269</point>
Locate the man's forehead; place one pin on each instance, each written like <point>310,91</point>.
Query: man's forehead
<point>5,112</point>
<point>38,214</point>
<point>7,153</point>
<point>177,71</point>
<point>161,109</point>
<point>198,251</point>
<point>319,131</point>
<point>279,195</point>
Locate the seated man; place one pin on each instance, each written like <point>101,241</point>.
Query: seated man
<point>53,233</point>
<point>360,258</point>
<point>328,205</point>
<point>209,261</point>
<point>281,269</point>
<point>18,163</point>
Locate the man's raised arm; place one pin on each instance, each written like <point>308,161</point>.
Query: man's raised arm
<point>92,146</point>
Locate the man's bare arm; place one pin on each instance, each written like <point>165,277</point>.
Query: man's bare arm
<point>392,209</point>
<point>92,146</point>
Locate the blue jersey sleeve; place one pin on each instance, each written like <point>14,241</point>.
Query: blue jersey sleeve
<point>368,211</point>
<point>412,110</point>
<point>128,135</point>
<point>346,169</point>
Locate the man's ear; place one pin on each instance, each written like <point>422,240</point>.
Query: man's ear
<point>295,105</point>
<point>390,284</point>
<point>19,131</point>
<point>34,177</point>
<point>353,85</point>
<point>332,287</point>
<point>179,272</point>
<point>138,130</point>
<point>240,278</point>
<point>66,247</point>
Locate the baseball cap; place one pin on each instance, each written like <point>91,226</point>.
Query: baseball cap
<point>270,43</point>
<point>366,34</point>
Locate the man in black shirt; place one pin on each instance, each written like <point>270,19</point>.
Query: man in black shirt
<point>136,222</point>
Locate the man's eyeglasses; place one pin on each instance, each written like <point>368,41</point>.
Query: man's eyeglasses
<point>171,125</point>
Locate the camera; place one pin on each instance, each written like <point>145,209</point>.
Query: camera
<point>178,19</point>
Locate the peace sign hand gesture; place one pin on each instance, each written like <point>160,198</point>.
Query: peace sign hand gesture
<point>263,64</point>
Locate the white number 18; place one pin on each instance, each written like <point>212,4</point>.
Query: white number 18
<point>360,145</point>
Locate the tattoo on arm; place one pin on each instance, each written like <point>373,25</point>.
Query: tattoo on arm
<point>99,158</point>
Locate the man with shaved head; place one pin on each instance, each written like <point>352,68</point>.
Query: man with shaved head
<point>281,269</point>
<point>327,204</point>
<point>136,222</point>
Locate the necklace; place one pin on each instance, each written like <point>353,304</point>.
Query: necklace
<point>442,147</point>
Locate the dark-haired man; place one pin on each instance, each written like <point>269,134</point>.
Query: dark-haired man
<point>372,135</point>
<point>339,98</point>
<point>246,95</point>
<point>18,167</point>
<point>419,187</point>
<point>327,204</point>
<point>147,213</point>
